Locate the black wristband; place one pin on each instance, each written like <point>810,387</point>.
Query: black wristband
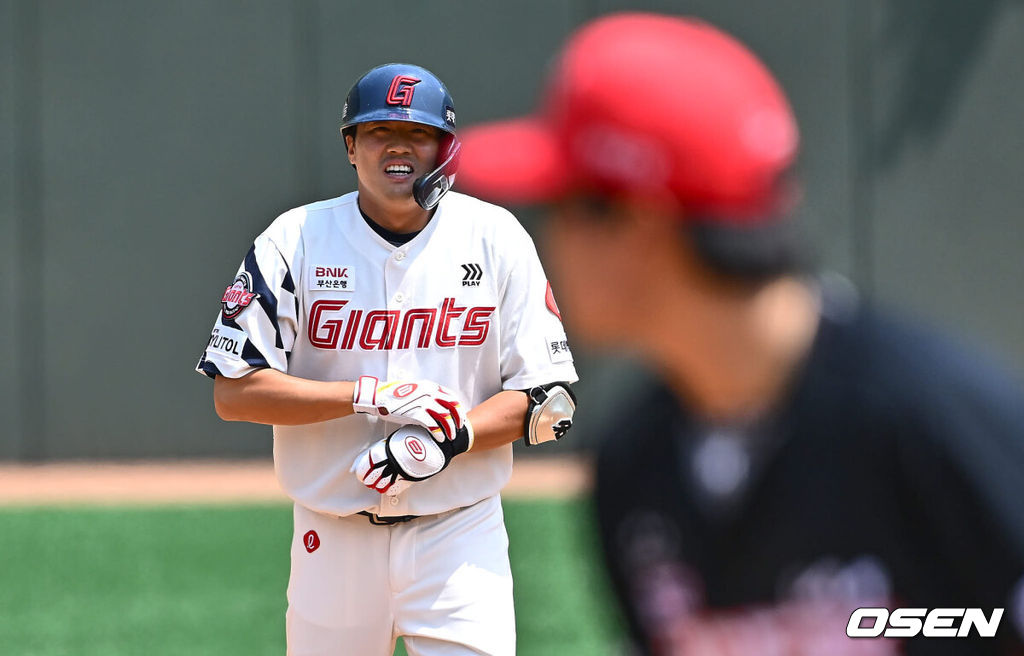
<point>453,447</point>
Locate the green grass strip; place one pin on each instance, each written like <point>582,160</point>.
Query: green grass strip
<point>211,580</point>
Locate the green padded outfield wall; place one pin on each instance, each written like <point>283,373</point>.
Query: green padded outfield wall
<point>11,425</point>
<point>144,144</point>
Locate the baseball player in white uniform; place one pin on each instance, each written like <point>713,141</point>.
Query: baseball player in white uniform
<point>399,339</point>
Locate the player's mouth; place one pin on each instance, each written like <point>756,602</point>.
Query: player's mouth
<point>399,170</point>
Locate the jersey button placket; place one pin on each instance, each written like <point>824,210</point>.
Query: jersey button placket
<point>394,274</point>
<point>388,505</point>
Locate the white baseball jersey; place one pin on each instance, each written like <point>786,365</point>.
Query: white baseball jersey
<point>322,296</point>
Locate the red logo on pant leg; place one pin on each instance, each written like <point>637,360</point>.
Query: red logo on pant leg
<point>311,541</point>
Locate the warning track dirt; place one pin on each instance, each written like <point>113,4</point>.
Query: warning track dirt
<point>249,481</point>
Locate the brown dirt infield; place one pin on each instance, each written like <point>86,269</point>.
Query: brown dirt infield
<point>251,481</point>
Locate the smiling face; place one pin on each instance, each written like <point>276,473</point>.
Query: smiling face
<point>389,156</point>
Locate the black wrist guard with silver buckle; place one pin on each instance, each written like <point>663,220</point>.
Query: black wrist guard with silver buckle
<point>549,415</point>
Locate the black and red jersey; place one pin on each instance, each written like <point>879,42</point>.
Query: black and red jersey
<point>892,475</point>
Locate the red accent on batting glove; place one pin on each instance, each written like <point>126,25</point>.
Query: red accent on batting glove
<point>453,409</point>
<point>443,422</point>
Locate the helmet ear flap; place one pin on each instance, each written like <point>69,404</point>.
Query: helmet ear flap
<point>428,189</point>
<point>448,153</point>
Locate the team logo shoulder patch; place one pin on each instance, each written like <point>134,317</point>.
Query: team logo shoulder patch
<point>238,296</point>
<point>336,278</point>
<point>473,275</point>
<point>549,300</point>
<point>558,349</point>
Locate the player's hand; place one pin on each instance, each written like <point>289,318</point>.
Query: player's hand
<point>407,455</point>
<point>422,402</point>
<point>376,471</point>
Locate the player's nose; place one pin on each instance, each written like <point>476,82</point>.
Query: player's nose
<point>399,144</point>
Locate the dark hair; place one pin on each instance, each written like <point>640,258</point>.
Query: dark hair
<point>350,131</point>
<point>759,252</point>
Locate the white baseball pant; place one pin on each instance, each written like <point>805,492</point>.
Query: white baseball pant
<point>442,582</point>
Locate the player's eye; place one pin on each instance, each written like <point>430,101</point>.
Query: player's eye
<point>590,207</point>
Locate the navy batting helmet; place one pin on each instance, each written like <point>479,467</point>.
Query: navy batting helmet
<point>404,92</point>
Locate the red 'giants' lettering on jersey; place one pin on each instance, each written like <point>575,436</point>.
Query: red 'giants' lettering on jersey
<point>384,330</point>
<point>324,334</point>
<point>383,339</point>
<point>449,311</point>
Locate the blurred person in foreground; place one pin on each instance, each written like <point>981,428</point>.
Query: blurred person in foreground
<point>803,454</point>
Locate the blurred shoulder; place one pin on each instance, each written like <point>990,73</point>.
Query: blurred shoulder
<point>914,352</point>
<point>917,373</point>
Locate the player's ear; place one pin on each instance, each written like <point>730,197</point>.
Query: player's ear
<point>349,135</point>
<point>350,145</point>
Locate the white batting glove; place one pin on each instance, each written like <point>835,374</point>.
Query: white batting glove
<point>377,472</point>
<point>421,402</point>
<point>407,455</point>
